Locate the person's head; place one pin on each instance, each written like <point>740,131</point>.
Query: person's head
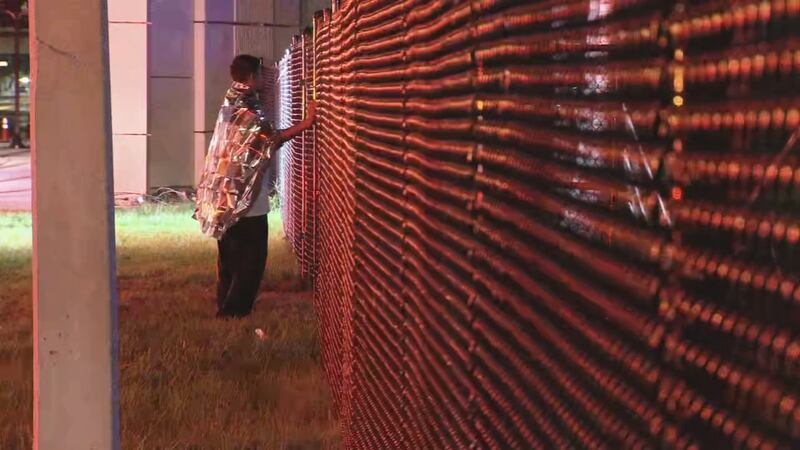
<point>246,69</point>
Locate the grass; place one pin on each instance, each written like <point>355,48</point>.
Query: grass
<point>187,380</point>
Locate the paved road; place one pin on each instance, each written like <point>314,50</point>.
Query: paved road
<point>15,180</point>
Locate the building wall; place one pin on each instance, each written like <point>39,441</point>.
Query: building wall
<point>308,8</point>
<point>170,105</point>
<point>128,64</point>
<point>7,43</point>
<point>286,12</point>
<point>169,72</point>
<point>267,42</point>
<point>255,40</point>
<point>213,51</point>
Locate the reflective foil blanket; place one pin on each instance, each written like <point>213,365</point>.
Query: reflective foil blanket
<point>237,159</point>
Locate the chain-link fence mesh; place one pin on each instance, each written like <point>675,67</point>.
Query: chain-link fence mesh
<point>552,224</point>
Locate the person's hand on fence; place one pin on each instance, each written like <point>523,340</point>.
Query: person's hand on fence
<point>311,111</point>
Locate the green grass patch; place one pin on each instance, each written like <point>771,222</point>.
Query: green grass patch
<point>187,379</point>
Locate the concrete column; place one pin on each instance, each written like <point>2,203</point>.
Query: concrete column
<point>128,58</point>
<point>74,290</point>
<point>213,52</point>
<point>171,67</point>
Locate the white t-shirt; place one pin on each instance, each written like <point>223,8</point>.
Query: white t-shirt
<point>261,203</point>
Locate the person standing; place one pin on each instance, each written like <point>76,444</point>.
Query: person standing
<point>233,193</point>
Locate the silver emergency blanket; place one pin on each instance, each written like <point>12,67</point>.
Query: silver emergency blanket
<point>237,159</point>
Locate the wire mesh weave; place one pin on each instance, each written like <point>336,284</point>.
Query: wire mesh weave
<point>552,224</point>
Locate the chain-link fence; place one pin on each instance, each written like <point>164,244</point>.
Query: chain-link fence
<point>552,224</point>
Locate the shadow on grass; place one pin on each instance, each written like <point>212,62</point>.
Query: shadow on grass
<point>187,379</point>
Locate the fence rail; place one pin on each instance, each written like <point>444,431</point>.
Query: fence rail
<point>552,224</point>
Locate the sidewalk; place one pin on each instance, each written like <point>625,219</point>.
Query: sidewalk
<point>15,180</point>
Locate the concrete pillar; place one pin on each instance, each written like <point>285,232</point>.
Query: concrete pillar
<point>127,28</point>
<point>74,290</point>
<point>171,67</point>
<point>213,51</point>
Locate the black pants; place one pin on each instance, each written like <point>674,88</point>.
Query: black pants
<point>240,266</point>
